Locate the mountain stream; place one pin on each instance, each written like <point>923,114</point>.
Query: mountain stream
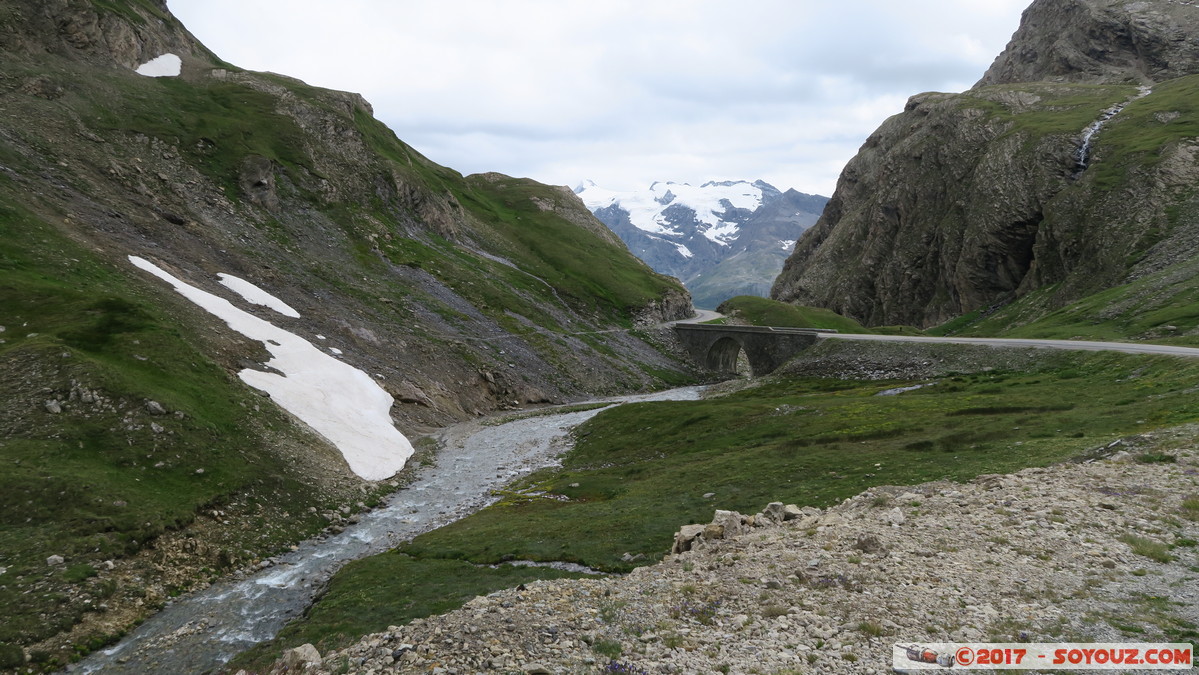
<point>201,631</point>
<point>1082,156</point>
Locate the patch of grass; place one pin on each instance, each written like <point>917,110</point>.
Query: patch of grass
<point>1138,134</point>
<point>79,572</point>
<point>217,124</point>
<point>766,312</point>
<point>1162,306</point>
<point>1062,110</point>
<point>871,629</point>
<point>1190,507</point>
<point>1149,548</point>
<point>1156,458</point>
<point>608,648</point>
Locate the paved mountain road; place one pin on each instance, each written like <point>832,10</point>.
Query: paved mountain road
<point>1126,347</point>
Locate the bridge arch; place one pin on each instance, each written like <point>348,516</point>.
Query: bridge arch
<point>722,355</point>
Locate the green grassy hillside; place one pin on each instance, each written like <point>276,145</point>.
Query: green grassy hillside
<point>94,472</point>
<point>1162,307</point>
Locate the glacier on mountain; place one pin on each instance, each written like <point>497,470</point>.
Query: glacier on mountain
<point>709,203</point>
<point>732,234</point>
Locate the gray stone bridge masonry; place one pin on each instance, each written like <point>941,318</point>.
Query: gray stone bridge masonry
<point>766,348</point>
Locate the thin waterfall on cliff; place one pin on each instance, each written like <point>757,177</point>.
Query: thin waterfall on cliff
<point>1082,155</point>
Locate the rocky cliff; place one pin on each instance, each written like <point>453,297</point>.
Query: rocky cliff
<point>124,416</point>
<point>1109,41</point>
<point>1057,173</point>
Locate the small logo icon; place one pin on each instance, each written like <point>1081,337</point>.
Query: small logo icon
<point>925,655</point>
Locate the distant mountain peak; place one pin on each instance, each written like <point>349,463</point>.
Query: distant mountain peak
<point>690,231</point>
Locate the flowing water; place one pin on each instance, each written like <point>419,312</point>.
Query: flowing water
<point>201,631</point>
<point>1082,156</point>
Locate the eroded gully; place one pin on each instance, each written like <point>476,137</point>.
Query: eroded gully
<point>201,631</point>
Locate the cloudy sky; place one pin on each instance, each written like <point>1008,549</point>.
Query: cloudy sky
<point>623,92</point>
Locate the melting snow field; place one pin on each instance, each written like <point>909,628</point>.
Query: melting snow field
<point>338,401</point>
<point>256,295</point>
<point>167,65</point>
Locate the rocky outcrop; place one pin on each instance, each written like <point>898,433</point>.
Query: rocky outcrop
<point>939,211</point>
<point>1093,41</point>
<point>123,34</point>
<point>1068,553</point>
<point>672,306</point>
<point>968,201</point>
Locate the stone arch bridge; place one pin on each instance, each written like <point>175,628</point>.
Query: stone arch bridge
<point>766,348</point>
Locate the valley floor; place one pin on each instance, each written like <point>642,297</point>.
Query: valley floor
<point>1095,551</point>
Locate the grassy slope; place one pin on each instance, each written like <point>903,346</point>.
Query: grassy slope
<point>595,276</point>
<point>805,441</point>
<point>1062,109</point>
<point>766,312</point>
<point>218,123</point>
<point>1162,307</point>
<point>1136,136</point>
<point>92,485</point>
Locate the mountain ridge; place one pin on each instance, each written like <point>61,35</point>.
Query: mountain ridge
<point>721,239</point>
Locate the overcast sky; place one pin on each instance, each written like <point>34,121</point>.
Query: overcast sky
<point>623,92</point>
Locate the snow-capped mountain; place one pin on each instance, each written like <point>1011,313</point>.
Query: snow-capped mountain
<point>720,239</point>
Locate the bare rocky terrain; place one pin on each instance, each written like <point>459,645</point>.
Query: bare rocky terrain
<point>1097,550</point>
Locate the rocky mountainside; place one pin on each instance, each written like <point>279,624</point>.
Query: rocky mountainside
<point>1069,169</point>
<point>134,162</point>
<point>721,239</point>
<point>795,590</point>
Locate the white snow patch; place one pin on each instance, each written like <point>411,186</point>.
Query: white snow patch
<point>723,232</point>
<point>787,244</point>
<point>321,337</point>
<point>338,401</point>
<point>256,295</point>
<point>709,202</point>
<point>900,390</point>
<point>337,351</point>
<point>167,65</point>
<point>684,251</point>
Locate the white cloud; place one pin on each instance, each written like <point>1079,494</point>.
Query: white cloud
<point>620,91</point>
